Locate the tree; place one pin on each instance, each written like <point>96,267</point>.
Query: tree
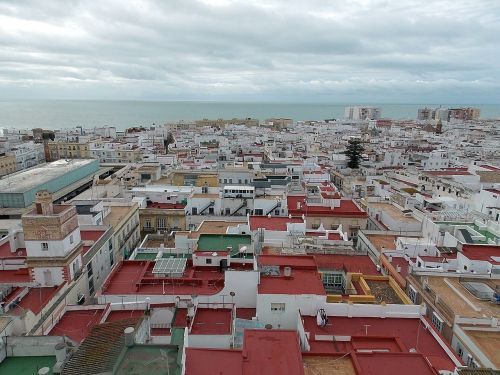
<point>354,151</point>
<point>168,141</point>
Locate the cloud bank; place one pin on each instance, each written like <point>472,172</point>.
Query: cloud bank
<point>316,50</point>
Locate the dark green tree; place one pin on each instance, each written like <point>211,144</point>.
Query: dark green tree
<point>168,141</point>
<point>354,151</point>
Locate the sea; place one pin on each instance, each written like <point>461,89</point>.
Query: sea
<point>66,114</point>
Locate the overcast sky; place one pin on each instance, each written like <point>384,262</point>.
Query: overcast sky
<point>308,50</point>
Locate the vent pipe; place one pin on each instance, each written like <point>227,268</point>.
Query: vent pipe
<point>129,334</point>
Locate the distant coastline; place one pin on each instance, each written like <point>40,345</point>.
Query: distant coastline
<point>62,114</point>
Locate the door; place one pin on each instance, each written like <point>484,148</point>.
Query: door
<point>47,278</point>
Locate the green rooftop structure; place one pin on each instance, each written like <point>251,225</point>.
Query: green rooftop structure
<point>220,242</point>
<point>19,190</point>
<point>26,365</point>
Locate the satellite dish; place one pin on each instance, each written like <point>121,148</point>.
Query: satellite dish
<point>243,249</point>
<point>214,254</point>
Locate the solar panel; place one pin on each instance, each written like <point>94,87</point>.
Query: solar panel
<point>170,267</point>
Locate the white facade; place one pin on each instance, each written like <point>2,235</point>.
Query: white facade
<point>357,113</point>
<point>58,248</point>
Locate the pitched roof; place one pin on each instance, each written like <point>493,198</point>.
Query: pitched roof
<point>99,352</point>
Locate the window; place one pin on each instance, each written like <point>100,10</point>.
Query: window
<point>208,261</point>
<point>259,212</point>
<point>437,322</point>
<point>470,361</point>
<point>147,223</point>
<point>160,223</point>
<point>71,240</point>
<point>278,307</point>
<point>45,246</point>
<point>334,282</point>
<point>412,293</point>
<point>90,272</point>
<point>91,286</point>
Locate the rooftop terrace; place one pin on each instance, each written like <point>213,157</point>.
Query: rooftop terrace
<point>216,242</point>
<point>26,365</point>
<point>77,324</point>
<point>136,277</point>
<point>391,335</point>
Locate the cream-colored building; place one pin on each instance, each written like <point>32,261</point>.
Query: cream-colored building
<point>124,218</point>
<point>7,164</point>
<point>68,150</point>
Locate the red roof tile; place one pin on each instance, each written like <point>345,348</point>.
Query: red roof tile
<point>76,324</point>
<point>490,167</point>
<point>448,173</point>
<point>352,263</point>
<point>91,235</point>
<point>264,352</point>
<point>481,252</point>
<point>6,253</point>
<point>295,261</point>
<point>212,322</point>
<point>301,281</point>
<point>398,335</point>
<point>15,276</point>
<point>347,208</point>
<point>116,315</point>
<point>36,299</point>
<point>136,277</point>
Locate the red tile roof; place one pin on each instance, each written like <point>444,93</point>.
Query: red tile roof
<point>481,252</point>
<point>116,315</point>
<point>136,277</point>
<point>245,313</point>
<point>275,223</point>
<point>351,263</point>
<point>490,167</point>
<point>347,208</point>
<point>397,335</point>
<point>36,299</point>
<point>448,173</point>
<point>264,352</point>
<point>301,281</point>
<point>295,261</point>
<point>91,235</point>
<point>212,322</point>
<point>6,253</point>
<point>76,324</point>
<point>15,276</point>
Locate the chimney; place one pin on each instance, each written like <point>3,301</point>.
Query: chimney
<point>43,203</point>
<point>129,334</point>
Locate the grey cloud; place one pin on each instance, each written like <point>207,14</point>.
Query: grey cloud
<point>239,50</point>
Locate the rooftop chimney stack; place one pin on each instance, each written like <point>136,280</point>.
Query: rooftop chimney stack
<point>43,203</point>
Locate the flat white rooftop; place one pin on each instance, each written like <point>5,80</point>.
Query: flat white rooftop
<point>31,178</point>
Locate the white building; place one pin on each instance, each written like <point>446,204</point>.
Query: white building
<point>358,113</point>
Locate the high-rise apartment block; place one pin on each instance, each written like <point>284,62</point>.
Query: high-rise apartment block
<point>357,113</point>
